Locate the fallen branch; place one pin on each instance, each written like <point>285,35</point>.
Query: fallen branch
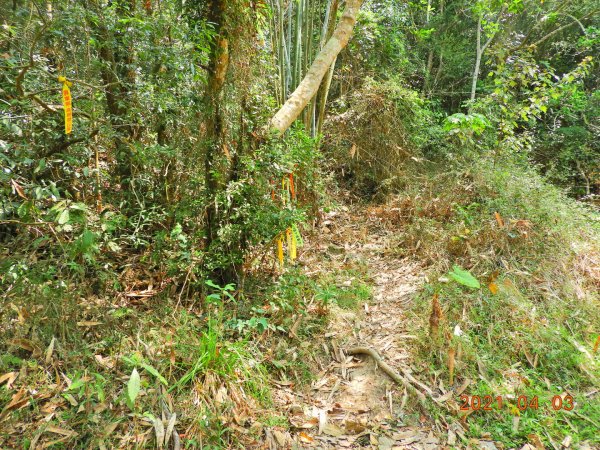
<point>404,380</point>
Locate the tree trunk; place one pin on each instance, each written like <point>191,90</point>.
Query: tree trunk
<point>475,75</point>
<point>477,60</point>
<point>428,72</point>
<point>481,49</point>
<point>117,77</point>
<point>217,70</point>
<point>430,56</point>
<point>438,73</point>
<point>309,86</point>
<point>328,27</point>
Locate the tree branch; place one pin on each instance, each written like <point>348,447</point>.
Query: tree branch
<point>559,29</point>
<point>60,146</point>
<point>24,69</point>
<point>309,86</point>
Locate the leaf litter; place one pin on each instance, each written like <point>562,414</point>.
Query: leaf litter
<point>353,403</point>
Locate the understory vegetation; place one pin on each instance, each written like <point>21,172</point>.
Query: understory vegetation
<point>164,267</point>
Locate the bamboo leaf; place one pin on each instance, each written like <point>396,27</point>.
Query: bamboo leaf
<point>133,388</point>
<point>155,372</point>
<point>63,217</point>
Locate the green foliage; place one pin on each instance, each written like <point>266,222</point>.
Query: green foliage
<point>136,360</point>
<point>71,185</point>
<point>248,215</point>
<point>139,240</point>
<point>133,388</point>
<point>568,153</point>
<point>520,332</point>
<point>221,294</point>
<point>466,126</point>
<point>464,277</point>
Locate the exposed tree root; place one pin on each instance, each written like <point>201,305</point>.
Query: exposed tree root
<point>408,381</point>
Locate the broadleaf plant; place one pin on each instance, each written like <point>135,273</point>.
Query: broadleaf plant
<point>464,277</point>
<point>133,388</point>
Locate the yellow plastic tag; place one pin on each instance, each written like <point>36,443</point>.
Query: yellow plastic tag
<point>67,104</point>
<point>291,248</point>
<point>280,250</point>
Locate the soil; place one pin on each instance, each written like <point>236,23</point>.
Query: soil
<point>353,403</point>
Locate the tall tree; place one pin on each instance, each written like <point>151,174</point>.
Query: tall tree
<point>483,10</point>
<point>118,77</point>
<point>213,123</point>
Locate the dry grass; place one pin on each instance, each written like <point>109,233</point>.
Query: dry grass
<point>539,322</point>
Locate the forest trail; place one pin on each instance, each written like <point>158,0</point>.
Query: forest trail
<point>352,403</point>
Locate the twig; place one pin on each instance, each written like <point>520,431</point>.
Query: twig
<point>66,144</point>
<point>43,104</point>
<point>333,390</point>
<point>559,29</point>
<point>27,224</point>
<point>92,86</point>
<point>550,440</point>
<point>581,416</point>
<point>25,69</point>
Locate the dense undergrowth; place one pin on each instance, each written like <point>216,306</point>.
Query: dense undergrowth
<point>530,329</point>
<point>141,294</point>
<point>462,195</point>
<point>69,359</point>
<point>210,354</point>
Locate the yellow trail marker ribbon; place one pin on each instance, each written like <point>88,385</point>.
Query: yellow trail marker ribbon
<point>280,250</point>
<point>67,103</point>
<point>288,237</point>
<point>292,234</point>
<point>293,247</point>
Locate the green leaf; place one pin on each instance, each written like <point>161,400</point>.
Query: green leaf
<point>75,385</point>
<point>213,285</point>
<point>41,165</point>
<point>79,206</point>
<point>63,217</point>
<point>464,277</point>
<point>263,324</point>
<point>155,372</point>
<point>133,388</point>
<point>100,395</point>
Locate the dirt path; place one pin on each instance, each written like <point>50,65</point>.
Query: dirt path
<point>352,403</point>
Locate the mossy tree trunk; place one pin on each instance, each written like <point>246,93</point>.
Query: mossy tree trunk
<point>213,123</point>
